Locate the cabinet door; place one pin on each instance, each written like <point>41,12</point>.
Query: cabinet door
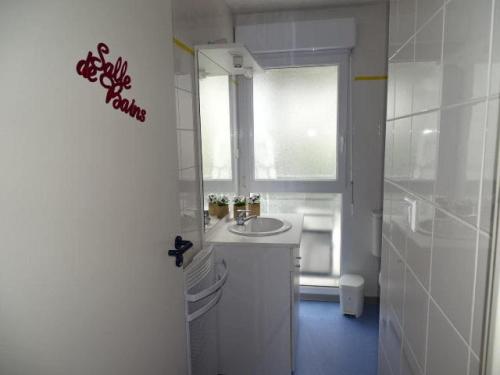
<point>295,302</point>
<point>254,312</point>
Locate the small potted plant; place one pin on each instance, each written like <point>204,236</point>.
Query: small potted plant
<point>222,206</point>
<point>239,203</point>
<point>254,204</point>
<point>212,204</point>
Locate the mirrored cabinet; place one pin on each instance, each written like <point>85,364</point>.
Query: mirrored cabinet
<point>218,66</point>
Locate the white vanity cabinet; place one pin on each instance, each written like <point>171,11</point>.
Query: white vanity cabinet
<point>256,316</point>
<point>257,313</point>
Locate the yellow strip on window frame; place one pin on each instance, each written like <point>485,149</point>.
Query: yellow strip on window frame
<point>183,46</point>
<point>370,78</point>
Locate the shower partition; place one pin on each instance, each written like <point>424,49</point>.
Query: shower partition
<point>321,235</point>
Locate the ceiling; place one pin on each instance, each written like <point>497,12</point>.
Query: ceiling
<point>247,6</point>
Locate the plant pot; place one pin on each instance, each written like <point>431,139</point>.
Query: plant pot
<point>254,209</point>
<point>221,211</point>
<point>236,209</point>
<point>212,209</point>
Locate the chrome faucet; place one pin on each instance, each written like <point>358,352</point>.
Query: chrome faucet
<point>242,218</point>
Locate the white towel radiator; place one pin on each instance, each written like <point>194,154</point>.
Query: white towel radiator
<point>204,282</point>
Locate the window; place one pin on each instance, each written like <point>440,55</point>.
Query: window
<point>292,149</point>
<point>295,123</point>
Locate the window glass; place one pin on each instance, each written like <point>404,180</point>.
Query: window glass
<point>295,123</point>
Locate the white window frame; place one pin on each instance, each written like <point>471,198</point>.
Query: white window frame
<point>247,182</point>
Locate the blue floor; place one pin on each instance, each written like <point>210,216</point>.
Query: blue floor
<point>333,344</point>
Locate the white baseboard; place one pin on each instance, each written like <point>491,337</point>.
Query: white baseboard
<point>319,290</point>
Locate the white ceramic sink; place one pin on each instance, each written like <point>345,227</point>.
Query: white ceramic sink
<point>260,226</point>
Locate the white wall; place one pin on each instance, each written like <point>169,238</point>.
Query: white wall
<point>87,214</point>
<point>440,151</point>
<point>368,108</point>
<point>195,22</point>
<point>200,22</point>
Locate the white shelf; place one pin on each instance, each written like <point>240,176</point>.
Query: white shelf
<point>217,59</point>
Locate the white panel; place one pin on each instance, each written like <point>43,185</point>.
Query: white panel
<point>254,314</point>
<point>299,35</point>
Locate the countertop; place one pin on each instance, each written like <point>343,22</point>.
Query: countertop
<point>220,235</point>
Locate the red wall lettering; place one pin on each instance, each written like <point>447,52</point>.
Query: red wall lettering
<point>113,77</point>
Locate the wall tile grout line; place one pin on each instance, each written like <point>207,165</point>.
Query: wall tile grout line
<point>385,357</point>
<point>412,353</point>
<point>187,168</point>
<point>450,323</point>
<point>438,138</point>
<point>401,324</point>
<point>397,319</point>
<point>417,30</point>
<point>422,371</point>
<point>441,83</point>
<point>483,158</point>
<point>429,292</point>
<point>434,301</point>
<point>185,90</point>
<point>403,334</point>
<point>462,221</point>
<point>464,103</point>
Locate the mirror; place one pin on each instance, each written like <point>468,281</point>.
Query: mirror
<point>217,67</point>
<point>215,89</point>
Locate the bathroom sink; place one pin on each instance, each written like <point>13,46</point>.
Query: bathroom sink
<point>260,226</point>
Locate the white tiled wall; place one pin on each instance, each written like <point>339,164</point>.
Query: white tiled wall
<point>441,134</point>
<point>194,22</point>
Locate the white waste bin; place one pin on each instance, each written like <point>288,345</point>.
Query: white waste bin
<point>351,294</point>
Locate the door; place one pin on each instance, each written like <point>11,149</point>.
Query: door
<point>89,204</point>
